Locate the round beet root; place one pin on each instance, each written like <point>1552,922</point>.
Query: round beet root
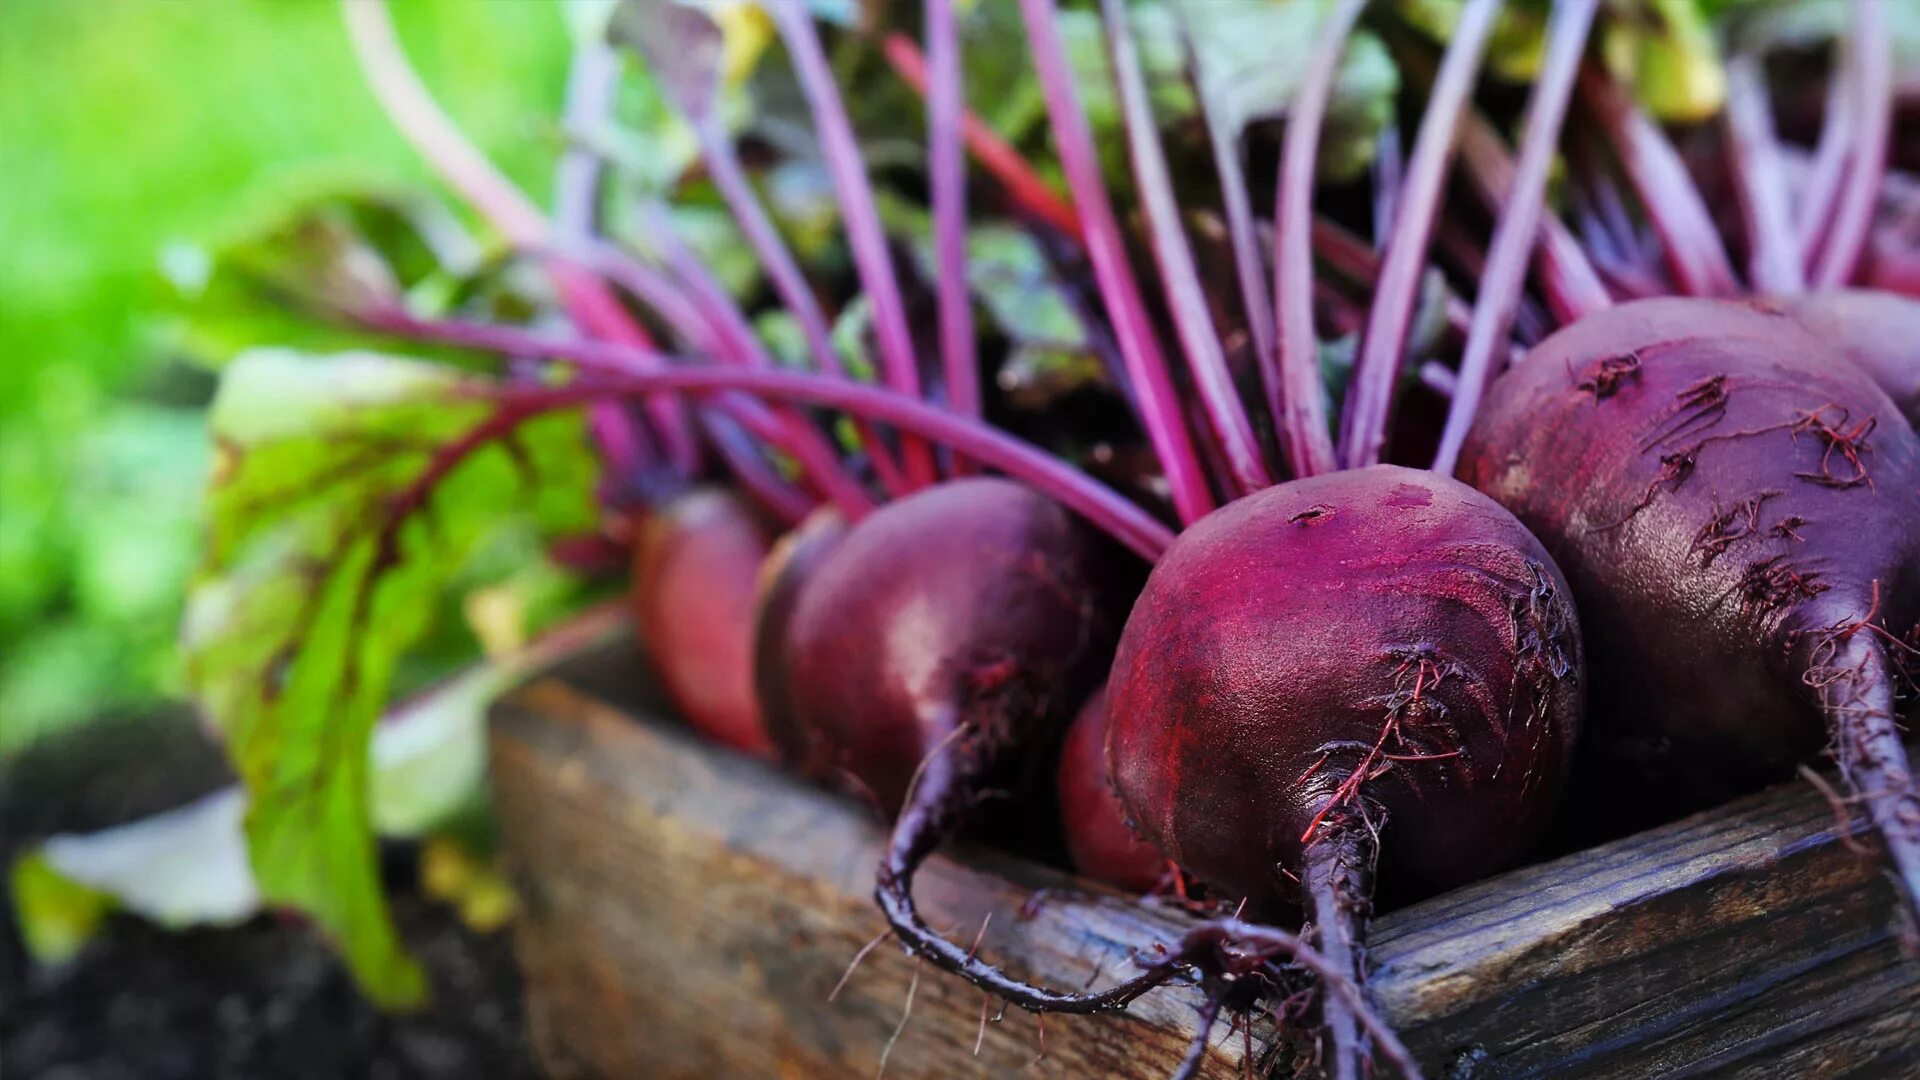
<point>1103,845</point>
<point>787,568</point>
<point>1377,649</point>
<point>973,615</point>
<point>1879,331</point>
<point>1374,669</point>
<point>1738,515</point>
<point>694,570</point>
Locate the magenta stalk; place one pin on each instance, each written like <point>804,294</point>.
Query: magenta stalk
<point>1186,299</point>
<point>1383,345</point>
<point>1146,364</point>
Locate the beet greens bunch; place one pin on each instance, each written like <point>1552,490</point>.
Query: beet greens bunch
<point>1309,665</point>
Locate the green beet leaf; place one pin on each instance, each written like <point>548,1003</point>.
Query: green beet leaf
<point>348,492</point>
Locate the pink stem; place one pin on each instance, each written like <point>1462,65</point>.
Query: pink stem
<point>1829,168</point>
<point>626,371</point>
<point>1572,286</point>
<point>1773,257</point>
<point>735,342</point>
<point>750,470</point>
<point>1021,183</point>
<point>1695,253</point>
<point>1146,365</point>
<point>783,271</point>
<point>1186,298</point>
<point>1389,173</point>
<point>433,134</point>
<point>1383,345</point>
<point>947,176</point>
<point>1250,269</point>
<point>1871,53</point>
<point>1293,382</point>
<point>865,236</point>
<point>1518,230</point>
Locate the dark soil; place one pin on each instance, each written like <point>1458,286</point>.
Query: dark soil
<point>267,999</point>
<point>263,1001</point>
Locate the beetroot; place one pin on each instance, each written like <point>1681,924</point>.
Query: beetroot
<point>1738,514</point>
<point>788,566</point>
<point>694,571</point>
<point>1103,845</point>
<point>1879,331</point>
<point>959,625</point>
<point>1369,667</point>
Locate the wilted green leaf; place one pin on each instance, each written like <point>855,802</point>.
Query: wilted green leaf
<point>337,516</point>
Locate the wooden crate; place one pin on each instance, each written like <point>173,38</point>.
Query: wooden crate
<point>689,912</point>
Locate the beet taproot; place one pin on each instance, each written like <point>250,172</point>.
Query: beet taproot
<point>1104,846</point>
<point>1878,331</point>
<point>1738,515</point>
<point>696,562</point>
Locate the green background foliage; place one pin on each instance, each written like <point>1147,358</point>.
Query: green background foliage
<point>136,132</point>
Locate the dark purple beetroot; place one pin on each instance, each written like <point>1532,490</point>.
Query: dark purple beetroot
<point>1738,515</point>
<point>975,606</point>
<point>1366,672</point>
<point>694,571</point>
<point>936,650</point>
<point>787,567</point>
<point>1377,649</point>
<point>1103,845</point>
<point>1879,331</point>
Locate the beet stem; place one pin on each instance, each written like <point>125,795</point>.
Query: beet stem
<point>632,372</point>
<point>1871,58</point>
<point>1250,269</point>
<point>728,432</point>
<point>1773,258</point>
<point>947,175</point>
<point>1826,171</point>
<point>1383,344</point>
<point>1389,175</point>
<point>867,239</point>
<point>1186,297</point>
<point>419,118</point>
<point>1022,184</point>
<point>1694,251</point>
<point>1573,288</point>
<point>723,168</point>
<point>736,343</point>
<point>1107,250</point>
<point>1518,231</point>
<point>592,79</point>
<point>1293,382</point>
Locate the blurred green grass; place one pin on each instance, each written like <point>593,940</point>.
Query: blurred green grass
<point>132,131</point>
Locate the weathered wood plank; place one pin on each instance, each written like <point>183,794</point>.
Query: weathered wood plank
<point>688,912</point>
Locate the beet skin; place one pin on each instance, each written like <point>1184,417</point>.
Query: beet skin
<point>1384,624</point>
<point>1738,515</point>
<point>695,568</point>
<point>1103,845</point>
<point>975,603</point>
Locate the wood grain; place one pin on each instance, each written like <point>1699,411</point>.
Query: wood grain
<point>688,912</point>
